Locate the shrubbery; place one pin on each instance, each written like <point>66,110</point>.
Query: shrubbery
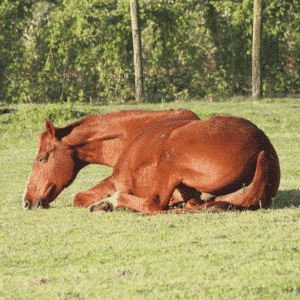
<point>30,117</point>
<point>17,127</point>
<point>81,50</point>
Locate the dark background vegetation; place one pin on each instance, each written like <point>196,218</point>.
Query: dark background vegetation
<point>81,50</point>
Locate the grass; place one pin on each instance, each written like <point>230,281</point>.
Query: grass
<point>69,253</point>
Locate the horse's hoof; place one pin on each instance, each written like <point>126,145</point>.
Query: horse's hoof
<point>102,206</point>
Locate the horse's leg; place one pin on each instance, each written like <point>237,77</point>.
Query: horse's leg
<point>95,194</point>
<point>245,198</point>
<point>121,199</point>
<point>184,193</point>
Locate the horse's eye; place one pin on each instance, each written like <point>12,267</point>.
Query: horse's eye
<point>43,158</point>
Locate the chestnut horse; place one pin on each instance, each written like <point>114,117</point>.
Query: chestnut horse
<point>157,163</point>
<point>96,139</point>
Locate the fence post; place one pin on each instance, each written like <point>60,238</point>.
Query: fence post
<point>256,49</point>
<point>137,49</point>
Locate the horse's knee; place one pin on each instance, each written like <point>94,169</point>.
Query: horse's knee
<point>79,200</point>
<point>84,200</point>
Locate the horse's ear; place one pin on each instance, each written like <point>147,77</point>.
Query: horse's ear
<point>49,127</point>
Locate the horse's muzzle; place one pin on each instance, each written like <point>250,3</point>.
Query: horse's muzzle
<point>38,204</point>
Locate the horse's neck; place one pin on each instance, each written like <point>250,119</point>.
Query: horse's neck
<point>100,139</point>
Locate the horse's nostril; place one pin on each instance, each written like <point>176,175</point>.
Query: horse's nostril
<point>26,204</point>
<point>39,204</point>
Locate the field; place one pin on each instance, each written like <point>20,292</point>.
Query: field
<point>70,253</point>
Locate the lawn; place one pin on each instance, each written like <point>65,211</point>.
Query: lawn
<point>70,253</point>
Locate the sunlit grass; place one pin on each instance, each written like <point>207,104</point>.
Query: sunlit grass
<point>69,253</point>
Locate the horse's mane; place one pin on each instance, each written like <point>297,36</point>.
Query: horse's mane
<point>96,118</point>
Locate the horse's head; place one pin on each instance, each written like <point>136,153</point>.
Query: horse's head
<point>55,168</point>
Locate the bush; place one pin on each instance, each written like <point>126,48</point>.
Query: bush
<point>81,50</point>
<point>32,117</point>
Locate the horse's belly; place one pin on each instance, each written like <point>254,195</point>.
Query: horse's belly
<point>214,182</point>
<point>214,159</point>
<point>215,171</point>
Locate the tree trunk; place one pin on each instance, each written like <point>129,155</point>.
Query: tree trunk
<point>137,49</point>
<point>256,49</point>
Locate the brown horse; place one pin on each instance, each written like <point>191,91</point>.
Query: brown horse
<point>163,162</point>
<point>96,139</point>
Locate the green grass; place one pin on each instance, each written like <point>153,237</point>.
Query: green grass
<point>69,253</point>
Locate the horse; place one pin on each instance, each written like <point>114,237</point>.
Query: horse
<point>212,164</point>
<point>95,139</point>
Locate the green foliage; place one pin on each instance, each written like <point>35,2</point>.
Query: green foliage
<point>174,59</point>
<point>78,54</point>
<point>12,27</point>
<point>280,52</point>
<point>30,117</point>
<point>81,51</point>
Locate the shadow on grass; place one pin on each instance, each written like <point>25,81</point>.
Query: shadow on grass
<point>286,199</point>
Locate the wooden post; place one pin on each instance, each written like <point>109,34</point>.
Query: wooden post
<point>256,49</point>
<point>137,49</point>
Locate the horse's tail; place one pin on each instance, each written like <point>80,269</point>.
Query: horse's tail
<point>254,195</point>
